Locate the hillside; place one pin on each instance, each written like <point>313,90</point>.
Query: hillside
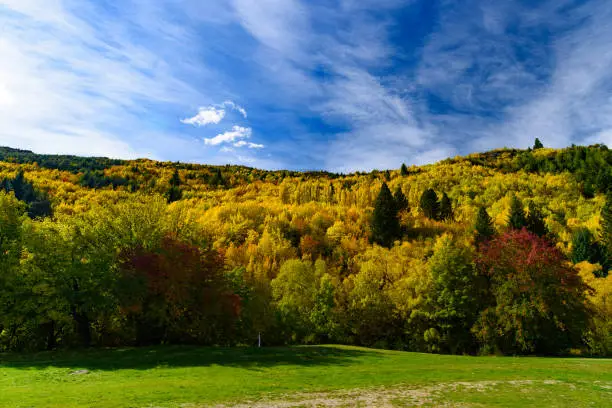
<point>143,252</point>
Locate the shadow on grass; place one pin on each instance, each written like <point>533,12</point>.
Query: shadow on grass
<point>184,356</point>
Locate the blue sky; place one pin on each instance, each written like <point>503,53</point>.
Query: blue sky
<point>303,84</point>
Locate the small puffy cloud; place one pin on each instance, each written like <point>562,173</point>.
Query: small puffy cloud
<point>237,132</point>
<point>213,115</point>
<point>206,116</point>
<point>242,143</point>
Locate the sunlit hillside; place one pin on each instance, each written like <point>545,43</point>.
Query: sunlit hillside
<point>143,252</point>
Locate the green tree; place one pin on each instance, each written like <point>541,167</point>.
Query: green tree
<point>400,199</point>
<point>11,280</point>
<point>516,218</point>
<point>404,170</point>
<point>324,314</point>
<point>385,223</point>
<point>453,300</point>
<point>294,291</point>
<point>535,220</point>
<point>537,144</point>
<point>483,226</point>
<point>446,208</point>
<point>429,204</point>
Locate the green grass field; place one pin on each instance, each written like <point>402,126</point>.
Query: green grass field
<point>297,376</point>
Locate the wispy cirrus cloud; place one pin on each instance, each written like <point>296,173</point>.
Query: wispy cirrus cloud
<point>75,80</point>
<point>345,85</point>
<point>509,72</point>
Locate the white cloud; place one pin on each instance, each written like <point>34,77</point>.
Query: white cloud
<point>236,133</point>
<point>250,145</point>
<point>206,116</point>
<point>213,115</point>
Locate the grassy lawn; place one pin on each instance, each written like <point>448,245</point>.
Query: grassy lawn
<point>302,376</point>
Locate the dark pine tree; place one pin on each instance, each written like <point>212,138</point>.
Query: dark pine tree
<point>400,199</point>
<point>584,247</point>
<point>175,181</point>
<point>446,208</point>
<point>483,226</point>
<point>429,204</point>
<point>535,220</point>
<point>404,170</point>
<point>385,223</point>
<point>174,192</point>
<point>537,144</point>
<point>516,219</point>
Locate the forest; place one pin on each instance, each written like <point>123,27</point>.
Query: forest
<point>503,252</point>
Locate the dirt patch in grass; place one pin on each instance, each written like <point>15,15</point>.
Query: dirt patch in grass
<point>383,397</point>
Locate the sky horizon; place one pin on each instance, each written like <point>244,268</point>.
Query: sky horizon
<point>342,86</point>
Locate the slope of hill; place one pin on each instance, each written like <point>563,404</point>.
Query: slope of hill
<point>144,252</point>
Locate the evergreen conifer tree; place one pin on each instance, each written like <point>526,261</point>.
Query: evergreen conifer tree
<point>385,223</point>
<point>400,199</point>
<point>537,144</point>
<point>446,208</point>
<point>535,220</point>
<point>484,225</point>
<point>584,247</point>
<point>174,192</point>
<point>516,219</point>
<point>404,170</point>
<point>429,204</point>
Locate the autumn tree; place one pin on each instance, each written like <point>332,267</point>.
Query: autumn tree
<point>429,204</point>
<point>304,296</point>
<point>176,293</point>
<point>535,301</point>
<point>385,223</point>
<point>516,217</point>
<point>606,229</point>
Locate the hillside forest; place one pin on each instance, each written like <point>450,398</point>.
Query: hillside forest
<point>503,252</point>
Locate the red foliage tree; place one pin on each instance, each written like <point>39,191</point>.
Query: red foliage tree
<point>177,293</point>
<point>535,300</point>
